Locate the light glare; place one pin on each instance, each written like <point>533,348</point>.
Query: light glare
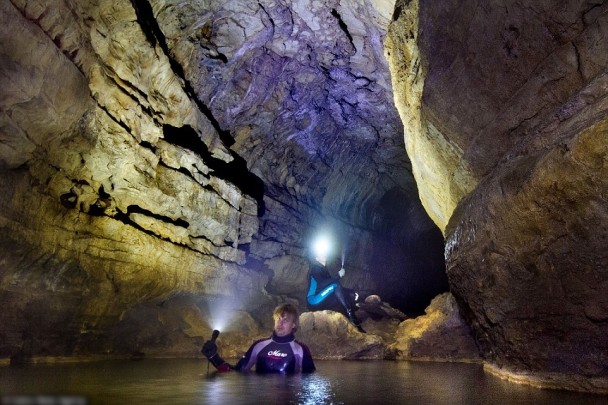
<point>321,247</point>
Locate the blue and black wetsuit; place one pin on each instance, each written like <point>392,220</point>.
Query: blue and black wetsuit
<point>284,355</point>
<point>325,292</point>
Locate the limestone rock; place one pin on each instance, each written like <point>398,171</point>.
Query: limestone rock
<point>374,308</point>
<point>442,176</point>
<point>505,108</point>
<point>330,335</point>
<point>440,335</point>
<point>155,149</point>
<point>534,298</point>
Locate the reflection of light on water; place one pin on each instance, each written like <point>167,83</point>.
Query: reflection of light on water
<point>316,389</point>
<point>252,388</point>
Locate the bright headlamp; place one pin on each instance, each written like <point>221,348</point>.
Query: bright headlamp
<point>321,247</point>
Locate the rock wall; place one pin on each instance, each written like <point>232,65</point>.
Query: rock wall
<point>163,159</point>
<point>115,184</point>
<point>505,112</point>
<point>165,163</point>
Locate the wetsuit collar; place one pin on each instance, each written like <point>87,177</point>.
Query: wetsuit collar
<point>284,339</point>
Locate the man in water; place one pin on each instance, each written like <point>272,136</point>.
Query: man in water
<point>280,353</point>
<point>326,292</point>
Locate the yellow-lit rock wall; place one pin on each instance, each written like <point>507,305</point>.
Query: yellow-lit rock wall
<point>162,160</point>
<point>99,214</point>
<point>442,175</point>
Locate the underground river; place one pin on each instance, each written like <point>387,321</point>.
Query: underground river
<point>181,381</point>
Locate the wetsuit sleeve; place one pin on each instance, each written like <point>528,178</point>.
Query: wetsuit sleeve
<point>250,357</point>
<point>308,365</point>
<point>219,363</point>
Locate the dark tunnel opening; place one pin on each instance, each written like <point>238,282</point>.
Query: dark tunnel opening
<point>409,253</point>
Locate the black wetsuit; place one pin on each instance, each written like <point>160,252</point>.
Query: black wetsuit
<point>276,354</point>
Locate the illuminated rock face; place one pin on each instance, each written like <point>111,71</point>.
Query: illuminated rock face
<point>506,107</point>
<point>440,334</point>
<point>159,158</point>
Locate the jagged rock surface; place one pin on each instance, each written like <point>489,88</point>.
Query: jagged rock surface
<point>161,157</point>
<point>439,335</point>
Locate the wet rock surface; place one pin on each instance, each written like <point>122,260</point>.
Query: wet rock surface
<point>440,334</point>
<point>509,102</point>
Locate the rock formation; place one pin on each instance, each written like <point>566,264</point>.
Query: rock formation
<point>440,335</point>
<point>506,109</point>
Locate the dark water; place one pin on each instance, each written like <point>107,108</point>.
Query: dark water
<point>335,382</point>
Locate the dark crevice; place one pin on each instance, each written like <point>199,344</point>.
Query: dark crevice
<point>135,209</point>
<point>154,34</point>
<point>342,25</point>
<point>187,172</point>
<point>130,90</point>
<point>235,172</point>
<point>148,145</point>
<point>579,62</point>
<point>120,123</point>
<point>124,218</point>
<point>397,13</point>
<point>214,54</point>
<point>102,193</point>
<point>268,15</point>
<point>145,18</point>
<point>68,199</point>
<point>399,6</point>
<point>97,209</point>
<point>245,247</point>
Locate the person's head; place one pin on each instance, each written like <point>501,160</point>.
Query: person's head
<point>286,319</point>
<point>321,248</point>
<point>321,259</point>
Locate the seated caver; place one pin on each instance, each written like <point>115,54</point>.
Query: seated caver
<point>325,292</point>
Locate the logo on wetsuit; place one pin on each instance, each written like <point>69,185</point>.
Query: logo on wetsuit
<point>276,353</point>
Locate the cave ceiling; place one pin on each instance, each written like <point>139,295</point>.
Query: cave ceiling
<point>300,91</point>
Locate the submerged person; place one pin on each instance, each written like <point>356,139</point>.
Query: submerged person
<point>280,353</point>
<point>326,292</point>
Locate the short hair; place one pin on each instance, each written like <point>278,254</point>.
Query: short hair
<point>287,309</point>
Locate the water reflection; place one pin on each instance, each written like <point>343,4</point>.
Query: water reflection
<point>315,389</point>
<point>335,382</point>
<point>235,388</point>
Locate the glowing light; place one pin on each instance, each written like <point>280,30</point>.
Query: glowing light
<point>221,314</point>
<point>322,246</point>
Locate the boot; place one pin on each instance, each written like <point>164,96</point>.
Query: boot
<point>355,321</point>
